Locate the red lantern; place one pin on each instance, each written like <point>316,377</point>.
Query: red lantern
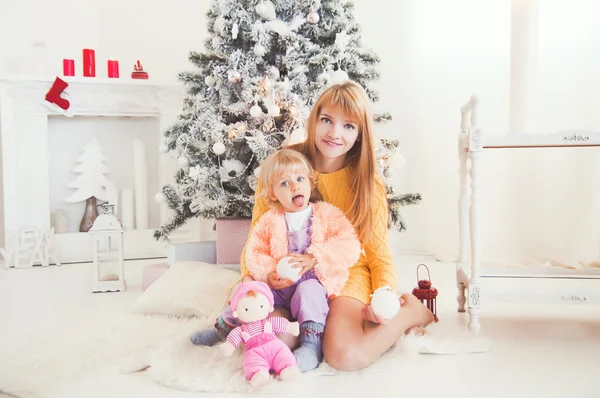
<point>425,293</point>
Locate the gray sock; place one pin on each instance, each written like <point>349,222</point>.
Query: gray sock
<point>310,353</point>
<point>210,337</point>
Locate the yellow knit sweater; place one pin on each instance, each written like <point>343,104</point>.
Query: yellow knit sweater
<point>374,268</point>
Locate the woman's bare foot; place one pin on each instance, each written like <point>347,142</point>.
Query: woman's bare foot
<point>422,314</point>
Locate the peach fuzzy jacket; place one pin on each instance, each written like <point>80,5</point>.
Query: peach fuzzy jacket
<point>374,269</point>
<point>333,243</point>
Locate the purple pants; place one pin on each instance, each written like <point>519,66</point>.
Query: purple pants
<point>306,299</point>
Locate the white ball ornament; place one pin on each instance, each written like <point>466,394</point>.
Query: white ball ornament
<point>234,76</point>
<point>313,18</point>
<point>285,270</point>
<point>385,303</point>
<point>324,77</point>
<point>259,50</point>
<point>219,25</point>
<point>274,110</point>
<point>209,80</point>
<point>255,111</point>
<point>274,71</point>
<point>257,171</point>
<point>339,76</point>
<point>183,161</point>
<point>266,10</point>
<point>388,172</point>
<point>160,197</point>
<point>219,148</point>
<point>260,8</point>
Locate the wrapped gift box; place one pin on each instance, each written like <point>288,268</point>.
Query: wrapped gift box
<point>204,251</point>
<point>232,234</point>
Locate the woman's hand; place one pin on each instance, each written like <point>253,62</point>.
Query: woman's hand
<point>304,261</point>
<point>371,316</point>
<point>276,283</point>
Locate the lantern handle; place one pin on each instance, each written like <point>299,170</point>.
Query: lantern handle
<point>428,274</point>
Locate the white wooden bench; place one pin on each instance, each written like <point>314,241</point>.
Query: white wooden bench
<point>472,143</point>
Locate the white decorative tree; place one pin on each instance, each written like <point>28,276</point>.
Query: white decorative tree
<point>91,183</point>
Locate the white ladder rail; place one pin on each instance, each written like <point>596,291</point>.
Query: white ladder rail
<point>471,143</point>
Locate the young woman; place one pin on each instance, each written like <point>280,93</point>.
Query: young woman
<point>340,146</point>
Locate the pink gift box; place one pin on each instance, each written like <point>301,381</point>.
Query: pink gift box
<point>152,273</point>
<point>232,234</point>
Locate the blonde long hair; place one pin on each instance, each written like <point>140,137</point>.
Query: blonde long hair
<point>352,100</point>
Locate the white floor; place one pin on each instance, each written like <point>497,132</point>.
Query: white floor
<point>539,349</point>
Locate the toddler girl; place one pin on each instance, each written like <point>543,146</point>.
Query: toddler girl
<point>319,237</point>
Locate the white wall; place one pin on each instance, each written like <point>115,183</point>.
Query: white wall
<point>1,194</point>
<point>563,94</point>
<point>434,53</point>
<point>160,35</point>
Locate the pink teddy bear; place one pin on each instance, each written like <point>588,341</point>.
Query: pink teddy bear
<point>251,303</point>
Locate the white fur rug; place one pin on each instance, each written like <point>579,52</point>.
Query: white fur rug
<point>179,364</point>
<point>50,361</point>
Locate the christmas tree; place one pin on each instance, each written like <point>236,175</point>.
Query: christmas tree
<point>264,67</point>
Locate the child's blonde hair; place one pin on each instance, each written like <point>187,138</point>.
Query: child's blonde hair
<point>275,165</point>
<point>352,100</point>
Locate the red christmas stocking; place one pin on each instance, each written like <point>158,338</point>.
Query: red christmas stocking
<point>53,95</point>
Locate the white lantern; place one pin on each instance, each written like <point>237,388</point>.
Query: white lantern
<point>107,234</point>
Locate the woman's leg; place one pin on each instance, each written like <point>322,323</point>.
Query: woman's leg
<point>351,343</point>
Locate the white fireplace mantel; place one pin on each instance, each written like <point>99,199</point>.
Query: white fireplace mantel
<point>24,132</point>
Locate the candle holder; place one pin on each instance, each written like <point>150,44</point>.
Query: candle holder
<point>426,293</point>
<point>138,72</point>
<point>107,237</point>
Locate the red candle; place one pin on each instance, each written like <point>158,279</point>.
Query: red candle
<point>68,67</point>
<point>113,68</point>
<point>89,63</point>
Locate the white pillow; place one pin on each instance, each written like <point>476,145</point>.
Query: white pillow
<point>188,288</point>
